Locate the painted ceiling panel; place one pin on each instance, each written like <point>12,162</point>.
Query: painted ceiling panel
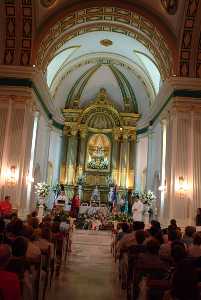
<point>103,77</point>
<point>134,63</point>
<point>57,62</point>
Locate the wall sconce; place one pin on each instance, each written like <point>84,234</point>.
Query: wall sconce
<point>163,187</point>
<point>12,175</point>
<point>182,185</point>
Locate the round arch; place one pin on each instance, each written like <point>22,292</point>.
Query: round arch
<point>124,15</point>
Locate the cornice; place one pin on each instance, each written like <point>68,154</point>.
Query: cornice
<point>181,87</point>
<point>42,96</point>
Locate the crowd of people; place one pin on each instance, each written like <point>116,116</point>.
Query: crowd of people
<point>159,264</point>
<point>23,244</point>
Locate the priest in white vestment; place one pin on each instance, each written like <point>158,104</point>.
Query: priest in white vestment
<point>62,199</point>
<point>137,210</point>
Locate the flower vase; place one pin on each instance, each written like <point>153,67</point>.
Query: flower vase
<point>146,215</point>
<point>41,208</point>
<point>80,191</point>
<point>154,209</point>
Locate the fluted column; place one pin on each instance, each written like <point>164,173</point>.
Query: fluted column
<point>124,160</point>
<point>178,203</point>
<point>72,157</point>
<point>49,131</point>
<point>163,195</point>
<point>115,157</point>
<point>149,160</point>
<point>196,161</point>
<point>82,152</point>
<point>131,170</point>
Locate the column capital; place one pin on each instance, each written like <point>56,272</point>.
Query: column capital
<point>83,131</point>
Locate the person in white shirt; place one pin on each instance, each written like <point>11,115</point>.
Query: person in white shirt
<point>137,210</point>
<point>62,199</point>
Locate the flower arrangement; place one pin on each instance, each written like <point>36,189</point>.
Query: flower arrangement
<point>42,189</point>
<point>121,218</point>
<point>81,180</point>
<point>98,164</point>
<point>146,197</point>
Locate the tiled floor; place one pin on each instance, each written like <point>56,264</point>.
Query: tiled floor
<point>90,272</point>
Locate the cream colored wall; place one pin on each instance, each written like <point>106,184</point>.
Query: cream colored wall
<point>154,157</point>
<point>16,125</point>
<point>141,162</point>
<point>42,147</point>
<point>48,149</point>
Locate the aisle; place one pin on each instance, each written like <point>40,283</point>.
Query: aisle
<point>90,273</point>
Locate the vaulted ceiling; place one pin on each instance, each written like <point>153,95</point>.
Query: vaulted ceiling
<point>129,47</point>
<point>105,46</point>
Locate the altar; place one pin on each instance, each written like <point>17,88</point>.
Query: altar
<point>99,141</point>
<point>90,210</point>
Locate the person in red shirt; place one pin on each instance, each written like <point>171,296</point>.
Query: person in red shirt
<point>6,206</point>
<point>9,282</point>
<point>75,206</point>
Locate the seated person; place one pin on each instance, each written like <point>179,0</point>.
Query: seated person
<point>129,238</point>
<point>124,230</point>
<point>184,284</point>
<point>188,235</point>
<point>9,283</point>
<point>6,207</point>
<point>165,249</point>
<point>18,263</point>
<point>195,249</point>
<point>43,241</point>
<point>150,260</point>
<point>173,225</point>
<point>33,251</point>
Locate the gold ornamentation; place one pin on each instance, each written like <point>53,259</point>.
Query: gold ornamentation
<point>106,42</point>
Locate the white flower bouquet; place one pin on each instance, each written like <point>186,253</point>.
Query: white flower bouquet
<point>148,197</point>
<point>42,189</point>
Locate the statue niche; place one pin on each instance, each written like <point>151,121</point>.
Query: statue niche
<point>98,153</point>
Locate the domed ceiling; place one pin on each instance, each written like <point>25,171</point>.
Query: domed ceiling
<point>119,63</point>
<point>122,50</point>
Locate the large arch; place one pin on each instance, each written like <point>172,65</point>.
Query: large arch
<point>138,23</point>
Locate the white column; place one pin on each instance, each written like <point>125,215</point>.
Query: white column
<point>178,165</point>
<point>149,160</point>
<point>163,171</point>
<point>49,132</point>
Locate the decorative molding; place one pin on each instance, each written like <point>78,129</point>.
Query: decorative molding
<point>170,6</point>
<point>120,122</point>
<point>47,3</point>
<point>110,59</point>
<point>106,42</point>
<point>23,82</point>
<point>128,95</point>
<point>26,39</point>
<point>187,38</point>
<point>105,19</point>
<point>18,32</point>
<point>10,42</point>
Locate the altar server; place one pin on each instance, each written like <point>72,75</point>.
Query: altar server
<point>137,210</point>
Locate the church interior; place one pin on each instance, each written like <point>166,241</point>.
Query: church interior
<point>101,97</point>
